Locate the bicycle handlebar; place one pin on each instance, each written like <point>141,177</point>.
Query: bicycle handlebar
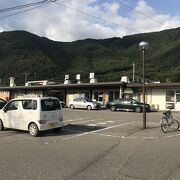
<point>167,113</point>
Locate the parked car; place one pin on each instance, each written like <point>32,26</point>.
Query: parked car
<point>84,103</point>
<point>32,114</point>
<point>127,104</point>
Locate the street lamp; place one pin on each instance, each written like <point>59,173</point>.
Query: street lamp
<point>143,47</point>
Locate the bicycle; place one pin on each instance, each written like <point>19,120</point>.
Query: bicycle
<point>168,121</point>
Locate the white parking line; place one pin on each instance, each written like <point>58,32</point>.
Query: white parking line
<point>136,137</point>
<point>126,137</point>
<point>81,122</point>
<point>173,135</point>
<point>99,130</point>
<point>74,119</point>
<point>111,127</point>
<point>101,123</point>
<point>91,124</point>
<point>109,121</point>
<point>150,137</point>
<point>89,121</point>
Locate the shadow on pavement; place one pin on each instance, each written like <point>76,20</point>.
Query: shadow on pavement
<point>70,129</point>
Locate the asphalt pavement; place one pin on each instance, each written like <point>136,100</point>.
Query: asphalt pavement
<point>93,145</point>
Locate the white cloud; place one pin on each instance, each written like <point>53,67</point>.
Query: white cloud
<point>64,24</point>
<point>148,20</point>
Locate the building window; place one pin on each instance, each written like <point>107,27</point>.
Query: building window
<point>99,97</point>
<point>84,94</point>
<point>113,95</point>
<point>116,94</point>
<point>170,94</point>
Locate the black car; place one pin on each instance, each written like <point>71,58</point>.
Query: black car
<point>127,104</point>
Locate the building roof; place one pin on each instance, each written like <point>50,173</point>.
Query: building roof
<point>65,86</point>
<point>73,86</point>
<point>155,85</point>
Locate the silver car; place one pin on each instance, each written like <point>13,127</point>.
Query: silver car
<point>84,103</point>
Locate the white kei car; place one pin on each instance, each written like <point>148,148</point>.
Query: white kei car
<point>32,114</point>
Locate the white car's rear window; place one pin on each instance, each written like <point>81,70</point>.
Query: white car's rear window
<point>50,105</point>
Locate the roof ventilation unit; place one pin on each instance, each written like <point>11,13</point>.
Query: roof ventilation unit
<point>92,78</point>
<point>125,79</point>
<point>11,84</point>
<point>78,78</point>
<point>66,79</point>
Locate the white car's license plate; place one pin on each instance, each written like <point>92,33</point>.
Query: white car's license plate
<point>52,125</point>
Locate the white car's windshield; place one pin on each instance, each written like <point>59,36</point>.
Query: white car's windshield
<point>89,100</point>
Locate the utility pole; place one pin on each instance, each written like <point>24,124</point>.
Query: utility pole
<point>25,78</point>
<point>133,71</point>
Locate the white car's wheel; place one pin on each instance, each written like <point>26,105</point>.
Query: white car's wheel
<point>89,107</point>
<point>33,129</point>
<point>72,106</point>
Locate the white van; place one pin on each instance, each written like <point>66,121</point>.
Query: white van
<point>32,114</point>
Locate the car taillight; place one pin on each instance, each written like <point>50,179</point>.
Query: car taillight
<point>42,121</point>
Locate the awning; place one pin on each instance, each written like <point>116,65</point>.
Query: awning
<point>128,91</point>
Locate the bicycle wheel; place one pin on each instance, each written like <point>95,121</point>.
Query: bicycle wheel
<point>164,125</point>
<point>175,124</point>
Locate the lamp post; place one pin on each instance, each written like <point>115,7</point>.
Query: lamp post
<point>143,47</point>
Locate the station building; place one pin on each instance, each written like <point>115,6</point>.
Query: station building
<point>161,96</point>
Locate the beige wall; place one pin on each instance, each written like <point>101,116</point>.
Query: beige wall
<point>28,94</point>
<point>4,95</point>
<point>71,96</point>
<point>158,99</point>
<point>106,96</point>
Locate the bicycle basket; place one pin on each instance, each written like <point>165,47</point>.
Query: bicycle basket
<point>167,114</point>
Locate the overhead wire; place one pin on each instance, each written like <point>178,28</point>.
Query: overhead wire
<point>23,6</point>
<point>94,16</point>
<point>3,17</point>
<point>33,5</point>
<point>139,12</point>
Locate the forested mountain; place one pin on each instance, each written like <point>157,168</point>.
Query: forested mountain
<point>40,58</point>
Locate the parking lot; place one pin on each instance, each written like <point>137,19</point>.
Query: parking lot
<point>97,144</point>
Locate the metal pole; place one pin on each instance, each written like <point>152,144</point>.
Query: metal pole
<point>25,78</point>
<point>133,71</point>
<point>143,74</point>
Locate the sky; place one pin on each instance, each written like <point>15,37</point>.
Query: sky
<point>70,20</point>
